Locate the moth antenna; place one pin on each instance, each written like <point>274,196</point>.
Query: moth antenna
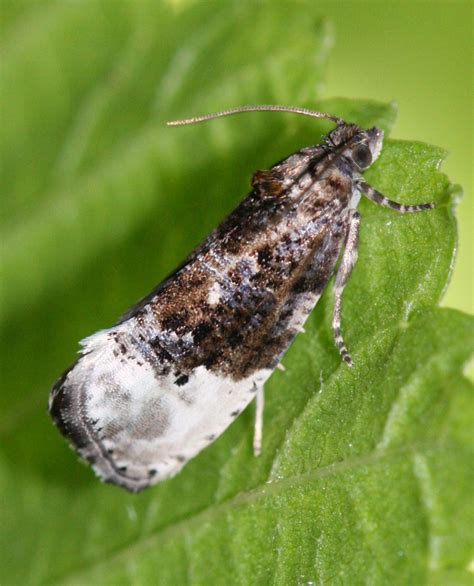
<point>263,108</point>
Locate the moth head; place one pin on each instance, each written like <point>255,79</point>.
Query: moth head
<point>366,149</point>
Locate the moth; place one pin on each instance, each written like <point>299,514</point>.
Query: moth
<point>151,392</point>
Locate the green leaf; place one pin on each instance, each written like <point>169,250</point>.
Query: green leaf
<point>364,476</point>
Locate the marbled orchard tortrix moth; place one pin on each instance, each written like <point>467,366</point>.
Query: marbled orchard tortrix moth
<point>150,393</point>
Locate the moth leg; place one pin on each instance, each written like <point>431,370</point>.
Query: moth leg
<point>258,432</point>
<point>348,261</point>
<point>378,198</point>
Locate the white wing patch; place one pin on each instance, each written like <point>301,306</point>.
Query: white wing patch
<point>145,427</point>
<point>214,295</point>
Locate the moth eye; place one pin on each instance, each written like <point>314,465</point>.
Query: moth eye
<point>362,156</point>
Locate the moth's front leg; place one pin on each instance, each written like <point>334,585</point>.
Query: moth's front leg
<point>378,198</point>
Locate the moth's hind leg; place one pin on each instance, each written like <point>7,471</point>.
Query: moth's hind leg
<point>258,432</point>
<point>348,261</point>
<point>378,198</point>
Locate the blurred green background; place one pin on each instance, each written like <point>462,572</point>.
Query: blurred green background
<point>418,54</point>
<point>101,200</point>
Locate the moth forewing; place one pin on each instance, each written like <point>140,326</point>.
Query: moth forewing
<point>148,394</point>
